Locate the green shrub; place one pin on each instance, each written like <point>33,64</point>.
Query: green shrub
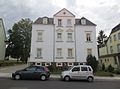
<point>103,73</point>
<point>117,71</point>
<point>110,68</point>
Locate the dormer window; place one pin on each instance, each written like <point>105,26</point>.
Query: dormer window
<point>83,21</point>
<point>45,20</point>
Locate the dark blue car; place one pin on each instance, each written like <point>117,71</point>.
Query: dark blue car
<point>32,72</point>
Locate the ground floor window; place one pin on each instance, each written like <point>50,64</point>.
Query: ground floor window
<point>59,64</point>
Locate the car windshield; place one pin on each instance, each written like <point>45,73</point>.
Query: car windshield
<point>70,68</point>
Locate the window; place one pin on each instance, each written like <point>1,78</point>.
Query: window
<point>111,49</point>
<point>114,37</point>
<point>88,37</point>
<point>59,22</point>
<point>70,52</point>
<point>39,38</point>
<point>110,39</point>
<point>89,69</point>
<point>39,64</point>
<point>118,47</point>
<point>69,22</point>
<point>59,52</point>
<point>83,21</point>
<point>76,69</point>
<point>31,68</point>
<point>84,69</point>
<point>44,20</point>
<point>115,59</point>
<point>119,36</point>
<point>58,64</point>
<point>89,51</point>
<point>69,36</point>
<point>59,36</point>
<point>39,52</point>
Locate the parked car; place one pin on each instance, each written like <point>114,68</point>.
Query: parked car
<point>32,72</point>
<point>83,72</point>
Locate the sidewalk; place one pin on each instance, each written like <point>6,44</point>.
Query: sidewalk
<point>55,77</point>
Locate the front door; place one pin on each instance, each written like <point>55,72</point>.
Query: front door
<point>75,73</point>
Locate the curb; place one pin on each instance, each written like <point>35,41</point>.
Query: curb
<point>57,77</point>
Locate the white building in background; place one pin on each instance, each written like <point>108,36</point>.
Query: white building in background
<point>62,40</point>
<point>2,40</point>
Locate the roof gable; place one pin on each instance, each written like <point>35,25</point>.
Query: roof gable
<point>64,12</point>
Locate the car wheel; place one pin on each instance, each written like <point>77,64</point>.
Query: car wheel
<point>90,79</point>
<point>67,78</point>
<point>43,77</point>
<point>17,77</point>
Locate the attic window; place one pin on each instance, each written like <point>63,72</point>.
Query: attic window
<point>45,20</point>
<point>83,21</point>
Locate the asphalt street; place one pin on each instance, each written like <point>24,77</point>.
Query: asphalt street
<point>8,83</point>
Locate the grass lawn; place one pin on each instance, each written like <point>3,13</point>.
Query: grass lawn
<point>103,73</point>
<point>4,63</point>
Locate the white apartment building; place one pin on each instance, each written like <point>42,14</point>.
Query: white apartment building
<point>62,40</point>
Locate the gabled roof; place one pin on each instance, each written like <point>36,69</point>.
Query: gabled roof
<point>40,20</point>
<point>116,28</point>
<point>78,22</point>
<point>65,10</point>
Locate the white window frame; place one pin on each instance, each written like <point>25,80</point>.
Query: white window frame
<point>59,22</point>
<point>46,64</point>
<point>57,64</point>
<point>45,20</point>
<point>69,22</point>
<point>38,65</point>
<point>59,36</point>
<point>70,36</point>
<point>88,37</point>
<point>70,64</point>
<point>59,52</point>
<point>119,36</point>
<point>70,52</point>
<point>39,36</point>
<point>89,51</point>
<point>83,21</point>
<point>39,52</point>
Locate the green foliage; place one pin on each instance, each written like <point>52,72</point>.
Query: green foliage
<point>101,38</point>
<point>91,60</point>
<point>103,67</point>
<point>116,71</point>
<point>19,40</point>
<point>110,68</point>
<point>9,63</point>
<point>103,73</point>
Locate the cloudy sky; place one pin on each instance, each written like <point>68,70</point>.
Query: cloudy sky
<point>104,13</point>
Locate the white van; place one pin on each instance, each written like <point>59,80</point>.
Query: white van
<point>78,72</point>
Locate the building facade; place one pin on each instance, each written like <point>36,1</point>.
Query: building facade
<point>2,40</point>
<point>110,52</point>
<point>62,40</point>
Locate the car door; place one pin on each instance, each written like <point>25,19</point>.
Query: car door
<point>83,72</point>
<point>75,73</point>
<point>29,72</point>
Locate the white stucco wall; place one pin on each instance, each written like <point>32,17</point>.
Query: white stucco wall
<point>46,45</point>
<point>2,40</point>
<point>82,45</point>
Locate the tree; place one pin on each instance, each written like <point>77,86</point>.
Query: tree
<point>20,39</point>
<point>101,38</point>
<point>91,60</point>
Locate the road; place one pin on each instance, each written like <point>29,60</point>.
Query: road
<point>8,83</point>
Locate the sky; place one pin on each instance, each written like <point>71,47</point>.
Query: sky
<point>104,13</point>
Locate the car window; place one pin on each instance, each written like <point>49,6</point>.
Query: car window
<point>31,68</point>
<point>40,69</point>
<point>84,69</point>
<point>89,69</point>
<point>76,69</point>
